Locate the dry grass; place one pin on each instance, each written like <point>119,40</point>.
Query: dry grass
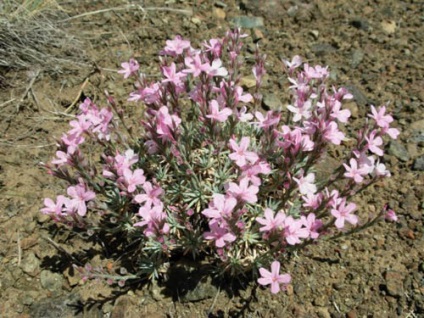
<point>32,37</point>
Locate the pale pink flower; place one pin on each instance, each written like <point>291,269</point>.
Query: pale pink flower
<point>312,225</point>
<point>374,142</point>
<point>391,215</point>
<point>222,207</point>
<point>150,196</point>
<point>133,178</point>
<point>171,74</point>
<point>214,46</point>
<point>55,208</point>
<point>243,191</point>
<point>294,63</point>
<point>301,111</point>
<point>271,119</point>
<point>273,277</point>
<point>219,234</point>
<point>294,230</point>
<point>195,65</point>
<point>216,69</point>
<point>240,97</point>
<point>306,184</point>
<point>243,116</point>
<point>379,116</point>
<point>380,170</point>
<point>79,196</point>
<point>354,172</point>
<point>176,46</point>
<point>342,115</point>
<point>129,68</point>
<point>332,134</point>
<point>271,222</point>
<point>343,213</point>
<point>216,114</point>
<point>392,132</point>
<point>72,141</point>
<point>62,158</point>
<point>312,200</point>
<point>240,155</point>
<point>317,72</point>
<point>154,218</point>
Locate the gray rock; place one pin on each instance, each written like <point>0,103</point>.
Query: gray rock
<point>360,24</point>
<point>51,281</point>
<point>272,102</point>
<point>398,150</point>
<point>357,57</point>
<point>59,307</point>
<point>359,97</point>
<point>31,264</point>
<point>418,164</point>
<point>322,312</point>
<point>203,290</point>
<point>321,49</point>
<point>394,283</point>
<point>248,22</point>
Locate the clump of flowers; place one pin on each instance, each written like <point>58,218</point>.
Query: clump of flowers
<point>206,174</point>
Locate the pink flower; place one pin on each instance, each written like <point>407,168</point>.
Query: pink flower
<point>216,114</point>
<point>155,220</point>
<point>216,69</point>
<point>294,63</point>
<point>379,116</point>
<point>271,119</point>
<point>129,68</point>
<point>240,154</point>
<point>219,234</point>
<point>243,191</point>
<point>176,46</point>
<point>72,141</point>
<point>374,143</point>
<point>392,132</point>
<point>240,97</point>
<point>273,277</point>
<point>312,201</point>
<point>80,195</point>
<point>318,72</point>
<point>306,184</point>
<point>391,215</point>
<point>301,111</point>
<point>380,170</point>
<point>214,46</point>
<point>271,222</point>
<point>166,124</point>
<point>221,207</point>
<point>62,158</point>
<point>195,65</point>
<point>337,112</point>
<point>243,116</point>
<point>294,230</point>
<point>80,126</point>
<point>312,225</point>
<point>170,72</point>
<point>55,208</point>
<point>251,172</point>
<point>343,213</point>
<point>354,172</point>
<point>150,196</point>
<point>133,178</point>
<point>332,134</point>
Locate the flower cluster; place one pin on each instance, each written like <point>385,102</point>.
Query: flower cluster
<point>206,172</point>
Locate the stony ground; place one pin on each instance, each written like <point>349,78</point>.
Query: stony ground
<point>375,48</point>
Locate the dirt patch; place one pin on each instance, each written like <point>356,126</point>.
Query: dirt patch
<point>374,48</point>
